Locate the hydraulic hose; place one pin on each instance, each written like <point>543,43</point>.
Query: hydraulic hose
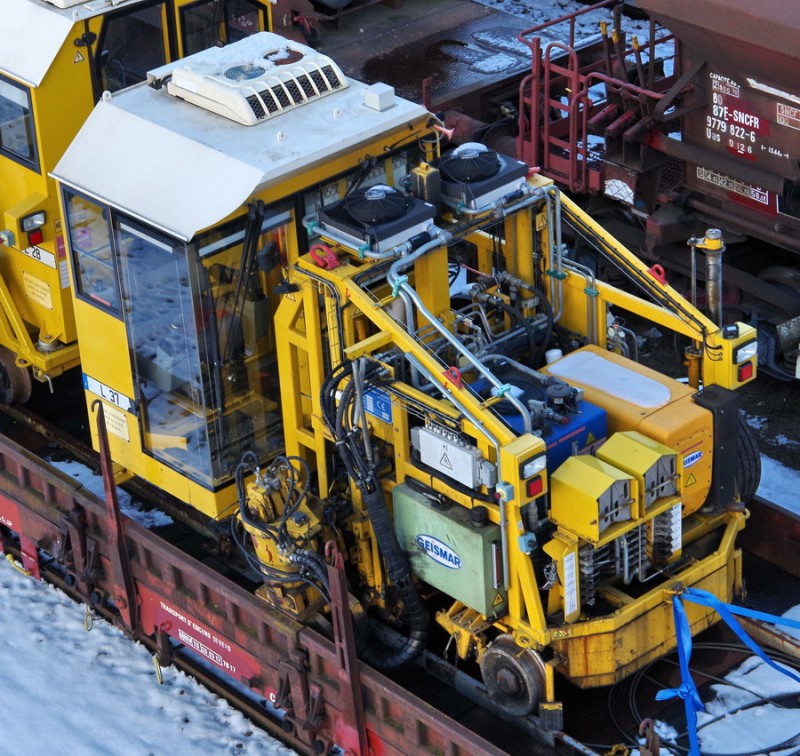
<point>399,573</point>
<point>362,473</point>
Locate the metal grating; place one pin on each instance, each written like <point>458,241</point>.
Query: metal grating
<point>299,88</point>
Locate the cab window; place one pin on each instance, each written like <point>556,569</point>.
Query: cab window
<point>93,262</point>
<point>131,44</point>
<point>209,22</point>
<point>16,124</point>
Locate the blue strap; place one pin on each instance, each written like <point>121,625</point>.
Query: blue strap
<point>726,611</point>
<point>687,690</point>
<point>744,611</point>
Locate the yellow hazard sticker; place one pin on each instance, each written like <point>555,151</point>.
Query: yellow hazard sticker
<point>566,633</point>
<point>78,57</point>
<point>590,438</point>
<point>498,599</point>
<point>691,480</point>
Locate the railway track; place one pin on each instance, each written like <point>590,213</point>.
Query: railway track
<point>444,708</point>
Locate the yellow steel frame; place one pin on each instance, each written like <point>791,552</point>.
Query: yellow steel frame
<point>591,649</point>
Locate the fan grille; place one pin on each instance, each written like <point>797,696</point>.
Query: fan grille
<point>305,85</point>
<point>470,165</point>
<point>376,205</point>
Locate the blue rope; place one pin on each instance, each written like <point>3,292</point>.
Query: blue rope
<point>726,611</point>
<point>687,690</point>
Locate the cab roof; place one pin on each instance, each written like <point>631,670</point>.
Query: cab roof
<point>34,31</point>
<point>181,168</point>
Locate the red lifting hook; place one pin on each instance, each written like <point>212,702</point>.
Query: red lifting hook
<point>327,260</point>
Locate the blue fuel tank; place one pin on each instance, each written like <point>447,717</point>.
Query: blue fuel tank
<point>580,433</point>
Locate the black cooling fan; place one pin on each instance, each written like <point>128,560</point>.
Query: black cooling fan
<point>377,204</point>
<point>467,164</point>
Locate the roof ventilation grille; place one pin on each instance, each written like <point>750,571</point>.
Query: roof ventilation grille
<point>258,87</point>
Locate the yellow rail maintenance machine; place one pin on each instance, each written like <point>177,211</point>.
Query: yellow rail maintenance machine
<point>317,326</point>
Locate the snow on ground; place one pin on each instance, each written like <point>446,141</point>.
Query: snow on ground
<point>780,484</point>
<point>737,713</point>
<point>68,691</point>
<point>535,12</point>
<point>92,481</point>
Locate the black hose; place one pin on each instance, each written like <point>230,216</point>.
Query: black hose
<point>399,573</point>
<point>516,315</point>
<point>363,474</point>
<point>312,564</point>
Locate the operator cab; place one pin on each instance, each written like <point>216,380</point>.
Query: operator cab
<point>56,61</point>
<point>188,268</point>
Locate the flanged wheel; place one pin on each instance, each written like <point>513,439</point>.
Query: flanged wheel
<point>514,676</point>
<point>786,277</point>
<point>15,382</point>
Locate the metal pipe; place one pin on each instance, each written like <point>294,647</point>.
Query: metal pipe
<point>714,273</point>
<point>553,199</point>
<point>399,283</point>
<point>471,358</point>
<point>589,277</point>
<point>359,369</point>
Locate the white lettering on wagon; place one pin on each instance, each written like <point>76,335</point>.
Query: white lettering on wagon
<point>201,648</point>
<point>192,625</point>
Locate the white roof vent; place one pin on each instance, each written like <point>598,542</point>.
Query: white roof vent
<point>256,78</point>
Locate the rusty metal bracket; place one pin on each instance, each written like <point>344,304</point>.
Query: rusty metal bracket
<point>124,591</point>
<point>316,717</point>
<point>29,552</point>
<point>163,648</point>
<point>294,695</point>
<point>344,638</point>
<point>652,743</point>
<point>660,110</point>
<point>78,554</point>
<point>71,551</point>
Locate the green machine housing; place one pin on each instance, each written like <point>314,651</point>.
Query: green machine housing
<point>451,550</point>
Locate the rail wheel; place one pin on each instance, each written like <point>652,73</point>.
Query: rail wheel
<point>15,382</point>
<point>748,468</point>
<point>783,276</point>
<point>514,676</point>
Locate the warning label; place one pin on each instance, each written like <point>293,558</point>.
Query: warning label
<point>37,290</point>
